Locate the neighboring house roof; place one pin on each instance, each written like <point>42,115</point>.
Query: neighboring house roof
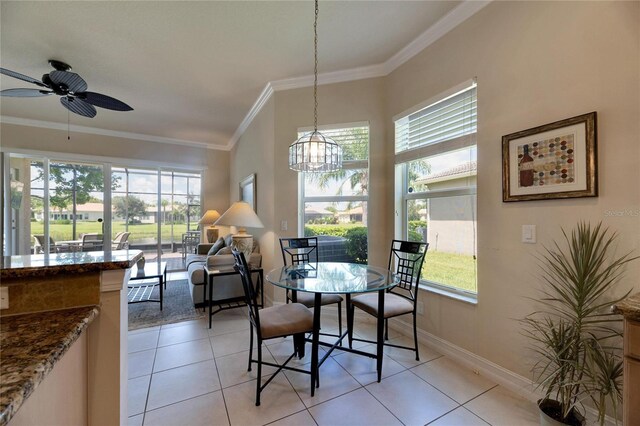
<point>355,210</point>
<point>466,169</point>
<point>310,210</point>
<point>85,208</point>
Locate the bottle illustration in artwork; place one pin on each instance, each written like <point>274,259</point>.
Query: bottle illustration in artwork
<point>526,168</point>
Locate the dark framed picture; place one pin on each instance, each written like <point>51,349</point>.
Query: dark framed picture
<point>248,191</point>
<point>556,160</point>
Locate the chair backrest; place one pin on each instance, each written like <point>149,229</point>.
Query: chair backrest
<point>406,259</point>
<point>120,240</point>
<point>91,241</point>
<point>250,296</point>
<point>38,245</point>
<point>299,250</point>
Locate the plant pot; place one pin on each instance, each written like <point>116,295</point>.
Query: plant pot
<point>551,411</point>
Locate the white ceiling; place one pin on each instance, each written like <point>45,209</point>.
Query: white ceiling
<point>193,70</point>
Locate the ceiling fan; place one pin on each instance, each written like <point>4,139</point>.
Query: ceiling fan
<point>71,88</point>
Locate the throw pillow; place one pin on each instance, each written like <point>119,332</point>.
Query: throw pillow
<point>224,250</point>
<point>215,248</point>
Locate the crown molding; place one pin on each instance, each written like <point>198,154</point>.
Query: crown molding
<point>351,74</point>
<point>255,109</point>
<point>104,132</point>
<point>448,22</point>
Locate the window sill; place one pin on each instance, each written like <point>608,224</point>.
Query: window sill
<point>472,299</point>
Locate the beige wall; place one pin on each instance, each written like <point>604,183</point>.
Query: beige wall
<point>254,153</point>
<point>351,102</point>
<point>536,62</point>
<point>214,162</point>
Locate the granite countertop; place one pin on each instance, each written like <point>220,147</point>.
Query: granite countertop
<point>29,353</point>
<point>63,263</point>
<point>629,307</point>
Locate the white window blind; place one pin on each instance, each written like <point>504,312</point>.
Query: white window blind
<point>446,119</point>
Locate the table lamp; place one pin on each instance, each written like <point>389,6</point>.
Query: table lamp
<point>242,216</point>
<point>210,218</point>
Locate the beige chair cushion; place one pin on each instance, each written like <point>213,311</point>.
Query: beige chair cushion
<point>393,304</point>
<point>285,320</point>
<point>308,299</point>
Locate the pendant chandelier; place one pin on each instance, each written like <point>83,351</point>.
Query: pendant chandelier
<point>315,152</point>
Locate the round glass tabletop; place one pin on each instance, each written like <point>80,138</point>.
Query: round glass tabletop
<point>332,277</point>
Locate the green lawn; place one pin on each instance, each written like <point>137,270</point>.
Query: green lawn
<point>139,232</point>
<point>450,269</point>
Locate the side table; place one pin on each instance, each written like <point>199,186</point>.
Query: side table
<point>141,292</point>
<point>210,274</point>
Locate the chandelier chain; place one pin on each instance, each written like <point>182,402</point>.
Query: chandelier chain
<point>315,71</point>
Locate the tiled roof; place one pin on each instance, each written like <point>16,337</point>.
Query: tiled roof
<point>467,168</point>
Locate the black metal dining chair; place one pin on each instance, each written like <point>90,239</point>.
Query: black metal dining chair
<point>293,319</point>
<point>305,250</point>
<point>405,259</point>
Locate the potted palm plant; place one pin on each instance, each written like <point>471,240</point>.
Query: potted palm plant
<point>575,335</point>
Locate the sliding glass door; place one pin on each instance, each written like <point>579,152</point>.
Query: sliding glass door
<point>57,206</point>
<point>135,208</point>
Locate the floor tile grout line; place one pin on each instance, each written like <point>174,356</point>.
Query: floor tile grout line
<point>381,403</point>
<point>182,400</point>
<point>437,388</point>
<point>179,343</point>
<point>444,414</point>
<point>181,366</point>
<point>480,394</point>
<point>474,414</point>
<point>146,400</point>
<point>224,399</point>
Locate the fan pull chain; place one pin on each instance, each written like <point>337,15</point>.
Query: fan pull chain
<point>68,126</point>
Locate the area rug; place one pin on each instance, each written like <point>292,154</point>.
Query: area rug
<point>177,306</point>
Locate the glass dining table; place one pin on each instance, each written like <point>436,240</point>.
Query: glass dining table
<point>336,278</point>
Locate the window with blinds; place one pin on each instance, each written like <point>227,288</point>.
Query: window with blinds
<point>436,167</point>
<point>451,117</point>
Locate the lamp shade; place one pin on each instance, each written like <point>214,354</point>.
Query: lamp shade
<point>209,217</point>
<point>240,215</point>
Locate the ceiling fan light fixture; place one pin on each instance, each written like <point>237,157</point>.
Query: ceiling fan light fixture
<point>315,152</point>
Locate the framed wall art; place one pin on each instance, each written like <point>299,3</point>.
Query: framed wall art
<point>248,191</point>
<point>556,160</point>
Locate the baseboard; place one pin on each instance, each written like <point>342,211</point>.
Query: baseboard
<point>514,382</point>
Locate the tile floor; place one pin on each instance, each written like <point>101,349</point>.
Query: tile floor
<point>188,374</point>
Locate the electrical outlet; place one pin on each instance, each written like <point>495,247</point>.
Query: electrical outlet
<point>4,297</point>
<point>420,308</point>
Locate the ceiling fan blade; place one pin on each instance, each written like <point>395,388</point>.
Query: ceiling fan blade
<point>104,101</point>
<point>78,106</point>
<point>73,81</point>
<point>24,93</point>
<point>21,77</point>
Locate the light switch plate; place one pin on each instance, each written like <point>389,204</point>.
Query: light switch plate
<point>284,225</point>
<point>529,234</point>
<point>4,297</point>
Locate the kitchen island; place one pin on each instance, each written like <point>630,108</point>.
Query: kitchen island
<point>63,339</point>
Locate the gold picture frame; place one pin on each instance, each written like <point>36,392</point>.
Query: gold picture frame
<point>248,191</point>
<point>554,161</point>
